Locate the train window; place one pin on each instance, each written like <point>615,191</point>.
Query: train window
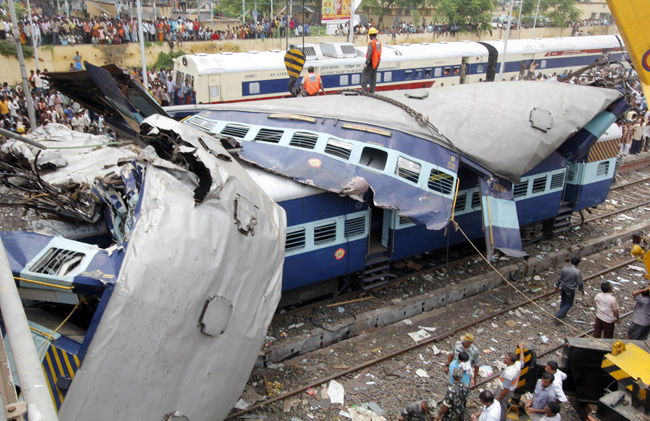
<point>304,140</point>
<point>378,77</point>
<point>388,76</point>
<point>437,72</point>
<point>542,64</point>
<point>235,130</point>
<point>521,189</point>
<point>447,71</point>
<point>356,79</point>
<point>268,135</point>
<point>408,75</point>
<point>428,73</point>
<point>603,169</point>
<point>456,70</point>
<point>476,200</point>
<point>440,182</point>
<point>343,80</point>
<point>373,158</point>
<point>571,173</point>
<point>214,92</point>
<point>403,221</point>
<point>539,184</point>
<point>325,233</point>
<point>480,68</point>
<point>180,78</point>
<point>418,74</point>
<point>254,88</point>
<point>557,180</point>
<point>461,201</point>
<point>295,239</point>
<point>408,169</point>
<point>338,148</point>
<point>355,226</point>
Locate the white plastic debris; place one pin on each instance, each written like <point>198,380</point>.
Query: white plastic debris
<point>485,371</point>
<point>421,373</point>
<point>336,392</point>
<point>435,350</point>
<point>419,335</point>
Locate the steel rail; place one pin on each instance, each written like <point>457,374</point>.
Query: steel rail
<point>433,339</point>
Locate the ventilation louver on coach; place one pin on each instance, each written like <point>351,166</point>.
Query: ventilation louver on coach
<point>339,49</point>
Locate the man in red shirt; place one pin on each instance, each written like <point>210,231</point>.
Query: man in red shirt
<point>312,83</point>
<point>373,56</point>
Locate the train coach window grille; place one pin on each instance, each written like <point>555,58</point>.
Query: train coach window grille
<point>378,77</point>
<point>202,123</point>
<point>374,158</point>
<point>408,169</point>
<point>440,182</point>
<point>447,71</point>
<point>543,64</point>
<point>57,262</point>
<point>438,72</point>
<point>295,239</point>
<point>325,233</point>
<point>304,140</point>
<point>309,51</point>
<point>355,226</point>
<point>388,76</point>
<point>603,169</point>
<point>338,148</point>
<point>348,49</point>
<point>269,135</point>
<point>214,92</point>
<point>344,80</point>
<point>428,73</point>
<point>476,200</point>
<point>235,130</point>
<point>461,201</point>
<point>521,189</point>
<point>480,68</point>
<point>418,74</point>
<point>254,88</point>
<point>356,79</point>
<point>557,180</point>
<point>539,184</point>
<point>408,75</point>
<point>404,221</point>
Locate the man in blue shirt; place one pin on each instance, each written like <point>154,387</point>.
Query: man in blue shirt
<point>570,278</point>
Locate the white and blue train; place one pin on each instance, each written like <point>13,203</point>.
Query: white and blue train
<point>230,77</point>
<point>331,235</point>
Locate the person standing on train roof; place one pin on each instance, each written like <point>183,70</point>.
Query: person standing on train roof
<point>373,57</point>
<point>312,83</point>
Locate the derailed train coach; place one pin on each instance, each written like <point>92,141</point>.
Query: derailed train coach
<point>387,182</point>
<point>362,179</point>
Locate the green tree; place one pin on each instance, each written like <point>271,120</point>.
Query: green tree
<point>560,12</point>
<point>463,12</point>
<point>385,7</point>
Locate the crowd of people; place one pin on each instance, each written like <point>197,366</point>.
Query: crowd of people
<point>545,403</point>
<point>64,29</point>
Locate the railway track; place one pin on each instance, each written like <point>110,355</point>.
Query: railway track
<point>412,351</point>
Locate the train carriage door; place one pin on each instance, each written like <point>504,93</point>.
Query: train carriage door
<point>214,89</point>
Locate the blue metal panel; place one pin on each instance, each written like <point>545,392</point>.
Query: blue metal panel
<point>319,206</point>
<point>326,263</point>
<point>589,195</point>
<point>500,217</point>
<point>538,208</point>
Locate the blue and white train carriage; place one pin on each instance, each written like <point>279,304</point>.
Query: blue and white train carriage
<point>228,77</point>
<point>412,178</point>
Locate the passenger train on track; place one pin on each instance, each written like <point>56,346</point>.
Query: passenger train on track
<point>229,77</point>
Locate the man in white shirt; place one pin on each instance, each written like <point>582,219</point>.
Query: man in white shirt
<point>606,312</point>
<point>509,379</point>
<point>491,408</point>
<point>560,376</point>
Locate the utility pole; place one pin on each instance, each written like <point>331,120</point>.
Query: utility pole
<point>23,72</point>
<point>142,56</point>
<point>505,44</point>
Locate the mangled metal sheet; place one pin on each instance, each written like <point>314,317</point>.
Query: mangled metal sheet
<point>188,312</point>
<point>500,220</point>
<point>498,125</point>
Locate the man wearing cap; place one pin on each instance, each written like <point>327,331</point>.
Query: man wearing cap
<point>508,379</point>
<point>466,344</point>
<point>312,83</point>
<point>418,411</point>
<point>453,404</point>
<point>373,56</point>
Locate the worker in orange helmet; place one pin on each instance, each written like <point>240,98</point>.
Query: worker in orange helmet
<point>312,83</point>
<point>373,56</point>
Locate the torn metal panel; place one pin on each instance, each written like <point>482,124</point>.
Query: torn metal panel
<point>187,316</point>
<point>488,123</point>
<point>500,219</point>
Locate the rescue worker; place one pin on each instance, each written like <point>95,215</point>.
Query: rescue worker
<point>312,83</point>
<point>373,56</point>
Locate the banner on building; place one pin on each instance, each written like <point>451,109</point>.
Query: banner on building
<point>336,10</point>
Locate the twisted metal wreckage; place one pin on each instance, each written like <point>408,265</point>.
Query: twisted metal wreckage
<point>177,311</point>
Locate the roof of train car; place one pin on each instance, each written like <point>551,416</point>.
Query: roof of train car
<point>530,46</point>
<point>278,187</point>
<point>207,64</point>
<point>466,114</point>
